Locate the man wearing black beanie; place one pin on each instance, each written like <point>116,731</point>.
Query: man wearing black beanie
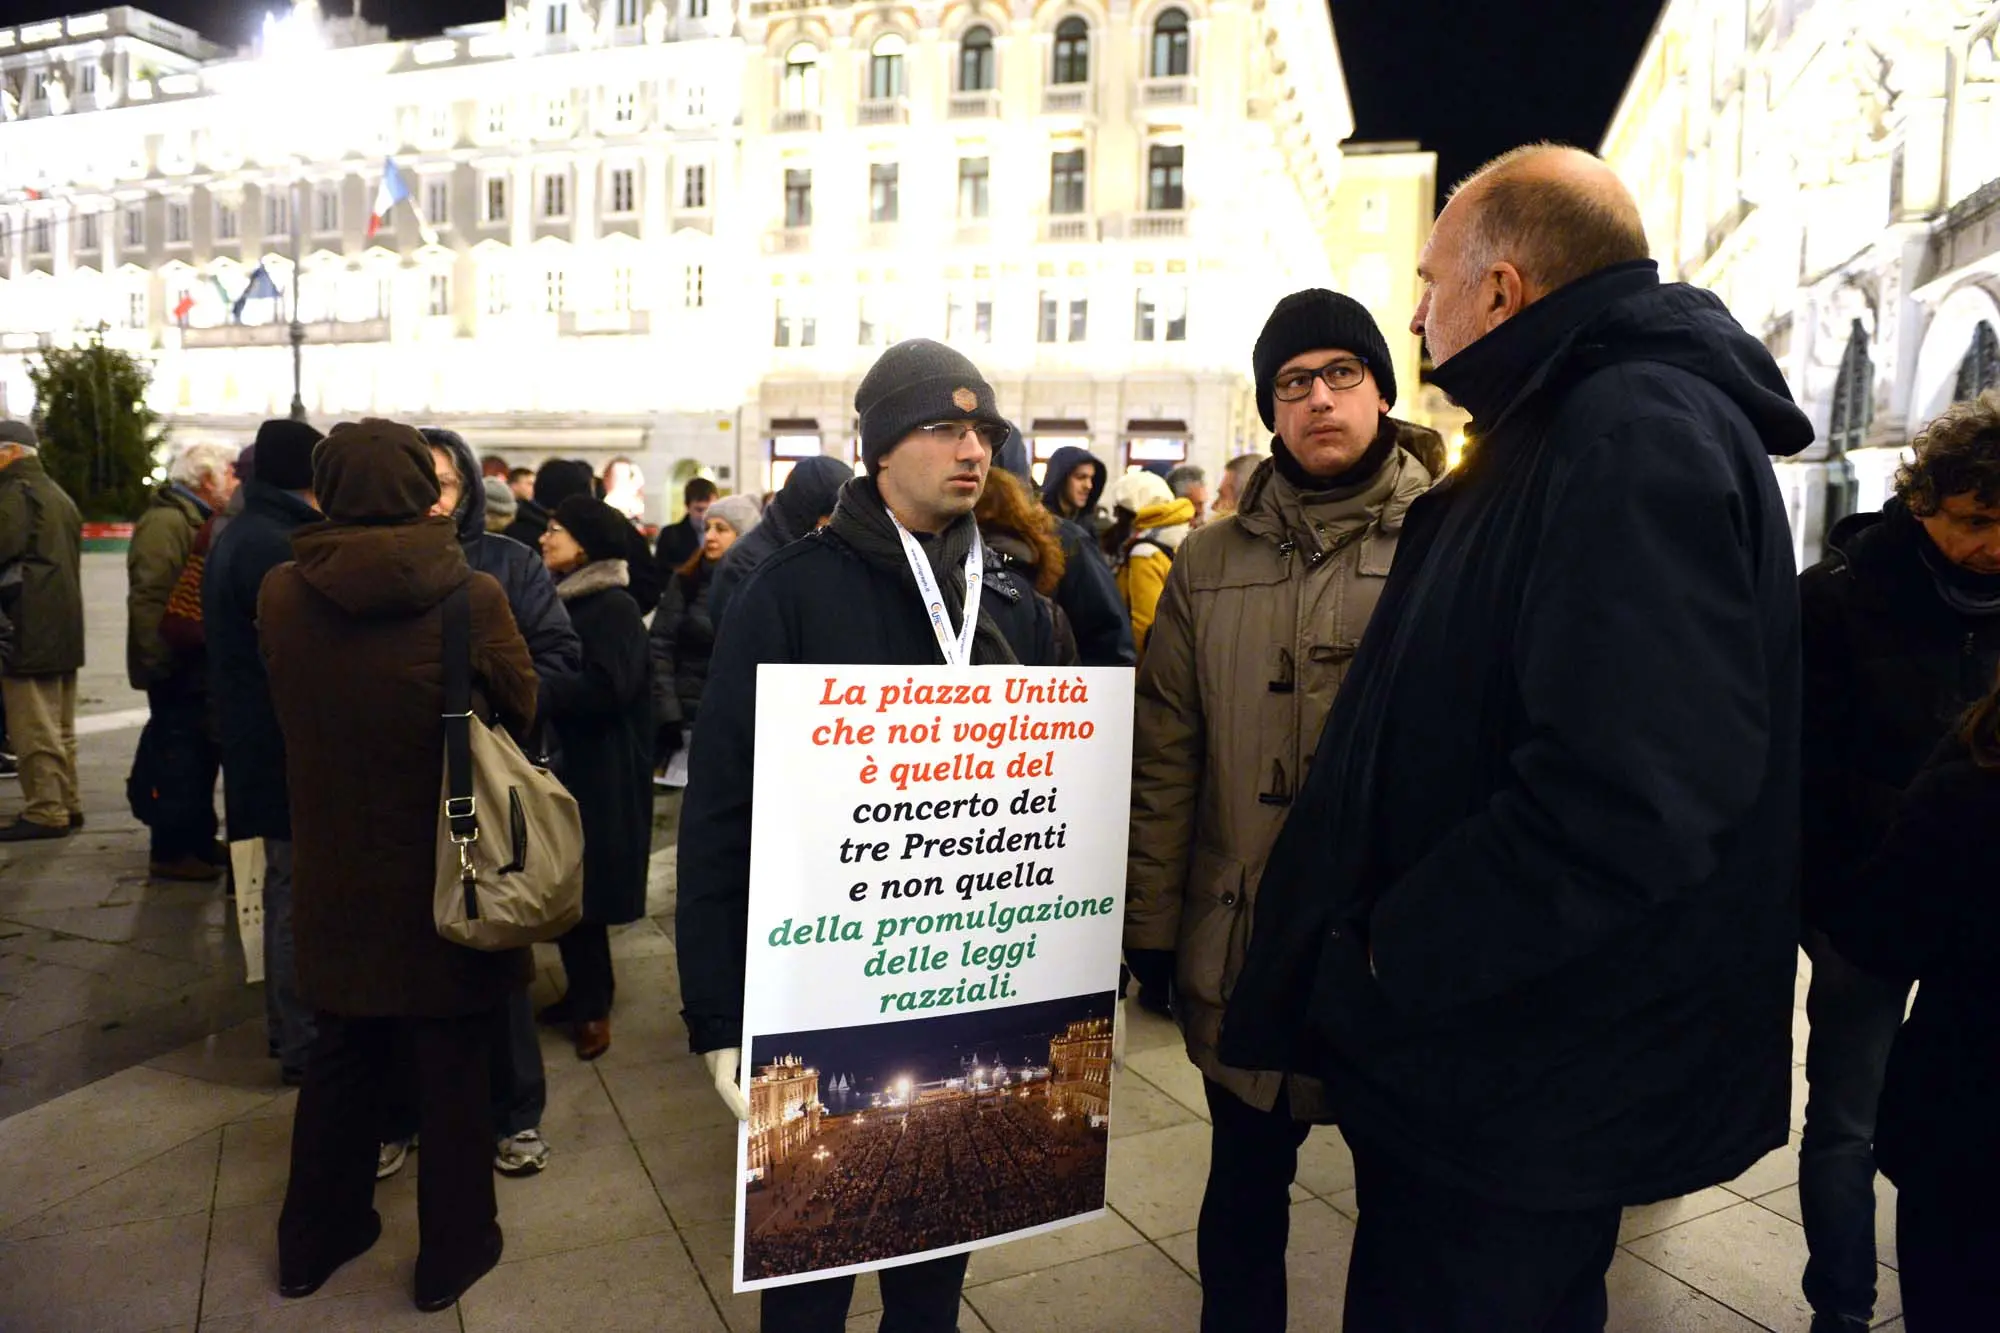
<point>847,593</point>
<point>1323,512</point>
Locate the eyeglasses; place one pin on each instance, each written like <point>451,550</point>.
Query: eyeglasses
<point>951,432</point>
<point>1345,373</point>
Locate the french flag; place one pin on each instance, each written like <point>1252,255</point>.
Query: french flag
<point>393,190</point>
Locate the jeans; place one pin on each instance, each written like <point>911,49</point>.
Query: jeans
<point>916,1298</point>
<point>1854,1017</point>
<point>1429,1258</point>
<point>290,1018</point>
<point>517,1085</point>
<point>1246,1213</point>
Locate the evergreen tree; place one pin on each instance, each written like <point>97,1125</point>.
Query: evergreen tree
<point>99,440</point>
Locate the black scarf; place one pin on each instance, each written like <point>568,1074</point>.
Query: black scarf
<point>1362,469</point>
<point>862,521</point>
<point>1965,591</point>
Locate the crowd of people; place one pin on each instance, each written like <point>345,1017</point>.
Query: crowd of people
<point>943,1173</point>
<point>1480,812</point>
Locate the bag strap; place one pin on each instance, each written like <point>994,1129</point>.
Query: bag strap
<point>461,812</point>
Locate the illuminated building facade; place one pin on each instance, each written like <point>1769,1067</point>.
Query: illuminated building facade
<point>682,229</point>
<point>1831,169</point>
<point>1080,1068</point>
<point>784,1112</point>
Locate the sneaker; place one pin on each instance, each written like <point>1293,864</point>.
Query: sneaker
<point>521,1154</point>
<point>27,830</point>
<point>186,869</point>
<point>389,1158</point>
<point>76,819</point>
<point>9,765</point>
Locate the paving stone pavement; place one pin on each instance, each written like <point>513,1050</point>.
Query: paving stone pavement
<point>144,1138</point>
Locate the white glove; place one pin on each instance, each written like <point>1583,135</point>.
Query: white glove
<point>722,1067</point>
<point>1118,1036</point>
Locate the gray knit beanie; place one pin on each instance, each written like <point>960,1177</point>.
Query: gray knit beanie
<point>740,512</point>
<point>912,384</point>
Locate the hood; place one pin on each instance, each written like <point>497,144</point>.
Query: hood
<point>808,493</point>
<point>470,516</point>
<point>1166,525</point>
<point>1273,508</point>
<point>1619,316</point>
<point>1012,456</point>
<point>1063,462</point>
<point>381,572</point>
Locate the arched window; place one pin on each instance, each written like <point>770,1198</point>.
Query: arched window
<point>801,86</point>
<point>1072,52</point>
<point>1170,44</point>
<point>885,67</point>
<point>975,60</point>
<point>1853,395</point>
<point>1980,370</point>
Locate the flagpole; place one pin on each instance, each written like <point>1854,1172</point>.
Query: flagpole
<point>298,330</point>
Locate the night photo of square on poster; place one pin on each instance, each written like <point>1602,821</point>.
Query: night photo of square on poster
<point>898,1140</point>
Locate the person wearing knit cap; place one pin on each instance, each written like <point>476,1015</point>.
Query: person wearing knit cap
<point>500,503</point>
<point>603,720</point>
<point>740,512</point>
<point>854,591</point>
<point>277,498</point>
<point>1245,645</point>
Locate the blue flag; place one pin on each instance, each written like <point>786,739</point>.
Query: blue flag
<point>260,286</point>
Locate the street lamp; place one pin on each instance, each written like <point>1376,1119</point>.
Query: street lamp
<point>298,330</point>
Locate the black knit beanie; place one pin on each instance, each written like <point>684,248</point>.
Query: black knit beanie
<point>912,384</point>
<point>284,456</point>
<point>1312,319</point>
<point>602,532</point>
<point>560,478</point>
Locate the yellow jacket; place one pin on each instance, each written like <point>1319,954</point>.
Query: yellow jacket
<point>1142,574</point>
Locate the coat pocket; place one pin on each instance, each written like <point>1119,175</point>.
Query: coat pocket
<point>1213,928</point>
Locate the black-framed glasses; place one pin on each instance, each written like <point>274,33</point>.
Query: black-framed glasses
<point>1339,374</point>
<point>950,432</point>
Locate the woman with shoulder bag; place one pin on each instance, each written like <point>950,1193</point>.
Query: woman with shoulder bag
<point>603,720</point>
<point>352,633</point>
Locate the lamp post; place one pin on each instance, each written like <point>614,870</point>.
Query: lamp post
<point>298,330</point>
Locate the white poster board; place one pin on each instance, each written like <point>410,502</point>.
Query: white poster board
<point>937,897</point>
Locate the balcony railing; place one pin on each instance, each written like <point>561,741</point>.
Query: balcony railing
<point>786,122</point>
<point>882,111</point>
<point>787,240</point>
<point>1177,91</point>
<point>975,106</point>
<point>1069,229</point>
<point>1152,226</point>
<point>1066,99</point>
<point>277,333</point>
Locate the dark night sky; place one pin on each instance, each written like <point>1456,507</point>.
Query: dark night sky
<point>1467,78</point>
<point>929,1048</point>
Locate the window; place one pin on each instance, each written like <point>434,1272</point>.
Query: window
<point>624,190</point>
<point>1853,396</point>
<point>558,20</point>
<point>226,222</point>
<point>496,198</point>
<point>1978,372</point>
<point>1163,178</point>
<point>697,9</point>
<point>38,236</point>
<point>1079,318</point>
<point>793,327</point>
<point>135,310</point>
<point>1066,182</point>
<point>1170,44</point>
<point>1072,63</point>
<point>440,294</point>
<point>628,13</point>
<point>437,124</point>
<point>41,93</point>
<point>558,115</point>
<point>621,289</point>
<point>867,326</point>
<point>326,208</point>
<point>1160,311</point>
<point>277,213</point>
<point>800,91</point>
<point>496,293</point>
<point>694,187</point>
<point>437,203</point>
<point>86,80</point>
<point>882,191</point>
<point>973,195</point>
<point>693,286</point>
<point>885,67</point>
<point>969,318</point>
<point>555,197</point>
<point>975,60</point>
<point>798,197</point>
<point>1051,325</point>
<point>90,239</point>
<point>135,226</point>
<point>625,108</point>
<point>496,119</point>
<point>552,290</point>
<point>696,100</point>
<point>177,222</point>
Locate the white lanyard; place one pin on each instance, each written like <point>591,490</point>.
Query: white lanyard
<point>957,652</point>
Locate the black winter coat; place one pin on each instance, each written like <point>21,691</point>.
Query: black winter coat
<point>681,642</point>
<point>1926,907</point>
<point>255,799</point>
<point>1532,916</point>
<point>530,522</point>
<point>1889,667</point>
<point>1088,595</point>
<point>807,496</point>
<point>603,720</point>
<point>818,600</point>
<point>674,544</point>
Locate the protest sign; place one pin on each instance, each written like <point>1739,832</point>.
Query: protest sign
<point>937,873</point>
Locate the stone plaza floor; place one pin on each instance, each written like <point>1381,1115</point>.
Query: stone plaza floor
<point>144,1135</point>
